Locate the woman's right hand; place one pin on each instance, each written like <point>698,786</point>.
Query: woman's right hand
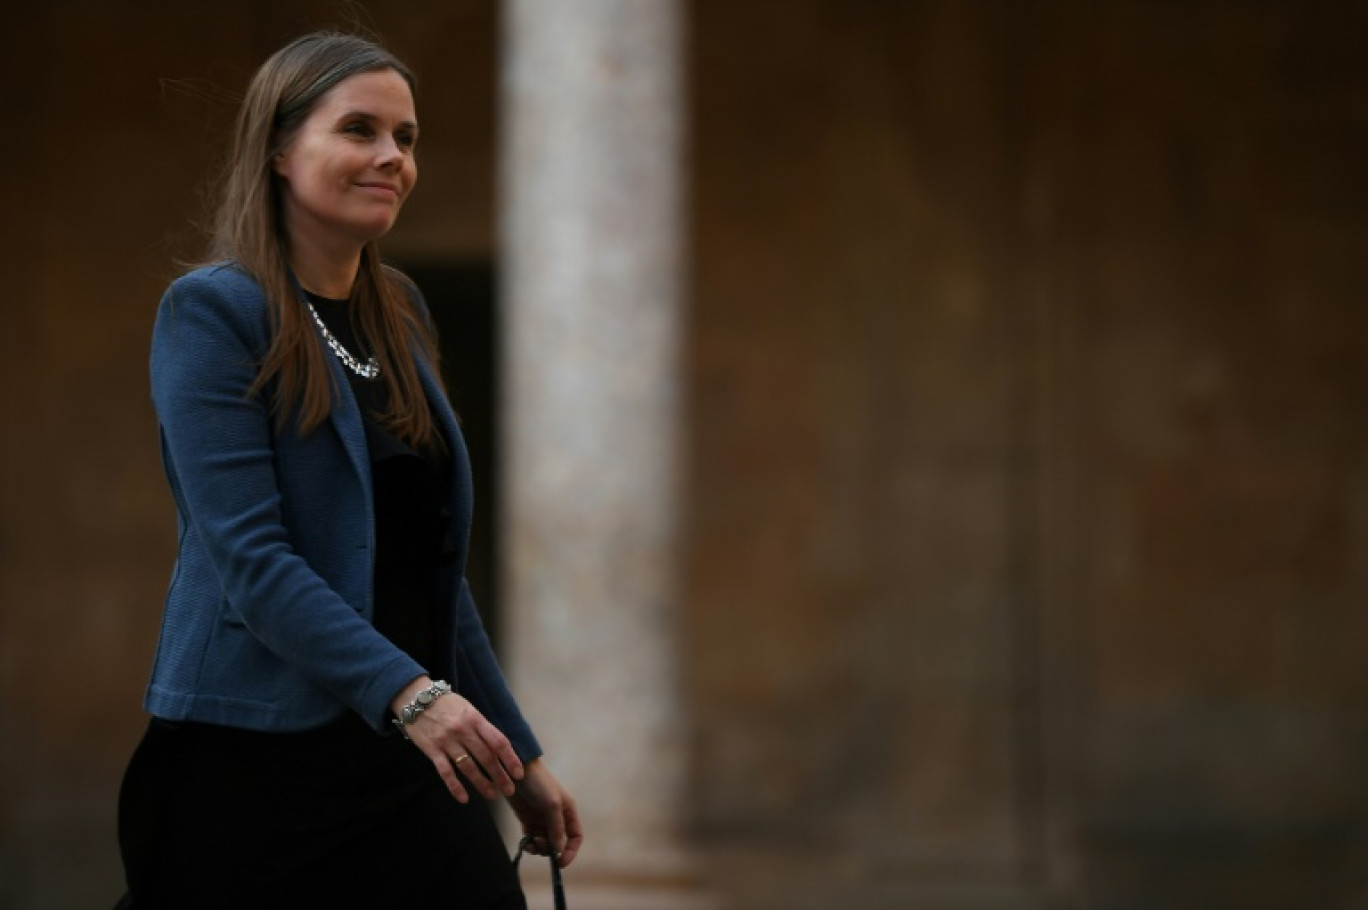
<point>457,737</point>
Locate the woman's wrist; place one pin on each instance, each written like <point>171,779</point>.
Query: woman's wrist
<point>424,699</point>
<point>408,694</point>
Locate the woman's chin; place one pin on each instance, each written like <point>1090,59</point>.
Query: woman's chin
<point>373,229</point>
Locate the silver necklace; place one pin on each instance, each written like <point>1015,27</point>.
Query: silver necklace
<point>368,370</point>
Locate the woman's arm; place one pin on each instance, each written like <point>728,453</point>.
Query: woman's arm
<point>210,334</point>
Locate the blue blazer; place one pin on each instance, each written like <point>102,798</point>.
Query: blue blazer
<point>267,623</point>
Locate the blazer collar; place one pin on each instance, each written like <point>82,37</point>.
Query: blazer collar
<point>345,417</point>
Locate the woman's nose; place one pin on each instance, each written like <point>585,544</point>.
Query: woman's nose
<point>389,154</point>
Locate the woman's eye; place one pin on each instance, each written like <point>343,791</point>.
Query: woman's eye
<point>406,140</point>
<point>357,129</point>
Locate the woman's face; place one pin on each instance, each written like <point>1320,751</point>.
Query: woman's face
<point>350,167</point>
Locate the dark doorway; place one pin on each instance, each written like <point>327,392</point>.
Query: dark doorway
<point>461,298</point>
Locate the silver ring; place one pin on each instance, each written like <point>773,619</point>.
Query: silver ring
<point>460,758</point>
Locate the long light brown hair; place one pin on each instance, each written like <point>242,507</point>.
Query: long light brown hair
<point>249,228</point>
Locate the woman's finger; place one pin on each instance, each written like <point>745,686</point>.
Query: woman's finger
<point>508,760</point>
<point>464,761</point>
<point>497,758</point>
<point>482,769</point>
<point>554,814</point>
<point>446,770</point>
<point>574,833</point>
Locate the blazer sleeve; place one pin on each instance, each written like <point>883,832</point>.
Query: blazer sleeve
<point>208,339</point>
<point>482,681</point>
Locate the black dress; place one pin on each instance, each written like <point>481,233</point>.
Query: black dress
<point>335,817</point>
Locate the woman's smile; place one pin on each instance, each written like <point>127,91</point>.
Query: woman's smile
<point>382,190</point>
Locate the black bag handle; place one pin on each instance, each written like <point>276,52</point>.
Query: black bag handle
<point>557,886</point>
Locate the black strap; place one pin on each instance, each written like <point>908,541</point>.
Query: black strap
<point>557,887</point>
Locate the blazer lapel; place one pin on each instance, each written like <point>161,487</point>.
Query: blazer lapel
<point>346,419</point>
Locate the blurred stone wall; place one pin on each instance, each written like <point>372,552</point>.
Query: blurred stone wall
<point>1028,464</point>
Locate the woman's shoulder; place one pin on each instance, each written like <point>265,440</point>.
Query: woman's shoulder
<point>217,279</point>
<point>220,296</point>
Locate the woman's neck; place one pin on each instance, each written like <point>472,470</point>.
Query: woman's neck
<point>325,272</point>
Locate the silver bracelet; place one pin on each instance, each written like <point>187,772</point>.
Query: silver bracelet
<point>409,713</point>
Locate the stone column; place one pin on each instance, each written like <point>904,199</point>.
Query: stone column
<point>591,240</point>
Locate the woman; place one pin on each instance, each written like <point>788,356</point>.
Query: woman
<point>304,750</point>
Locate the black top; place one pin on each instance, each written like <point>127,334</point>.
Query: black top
<point>411,518</point>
